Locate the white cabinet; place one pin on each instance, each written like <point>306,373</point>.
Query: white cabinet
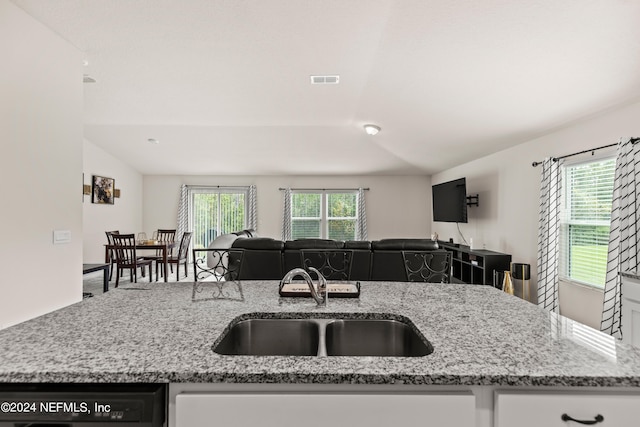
<point>631,311</point>
<point>546,409</point>
<point>312,409</point>
<point>322,405</point>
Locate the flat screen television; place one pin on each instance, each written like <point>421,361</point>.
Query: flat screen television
<point>450,201</point>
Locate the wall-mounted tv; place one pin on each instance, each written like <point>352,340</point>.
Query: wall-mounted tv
<point>450,201</point>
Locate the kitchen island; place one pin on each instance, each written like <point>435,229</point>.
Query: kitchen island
<point>484,341</point>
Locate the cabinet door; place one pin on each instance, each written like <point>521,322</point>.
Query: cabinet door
<point>631,322</point>
<point>322,410</point>
<point>547,409</point>
<point>631,311</point>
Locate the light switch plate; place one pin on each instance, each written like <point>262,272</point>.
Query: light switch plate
<point>61,237</point>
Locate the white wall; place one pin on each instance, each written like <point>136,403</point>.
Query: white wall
<point>509,188</point>
<point>40,168</point>
<point>124,215</point>
<point>397,206</point>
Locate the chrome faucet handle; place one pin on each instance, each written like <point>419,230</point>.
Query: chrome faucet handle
<point>318,293</point>
<point>296,272</point>
<point>321,287</point>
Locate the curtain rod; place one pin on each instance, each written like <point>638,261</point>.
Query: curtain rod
<point>555,159</point>
<point>323,189</point>
<point>216,186</point>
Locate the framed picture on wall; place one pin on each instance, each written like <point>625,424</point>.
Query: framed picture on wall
<point>103,190</point>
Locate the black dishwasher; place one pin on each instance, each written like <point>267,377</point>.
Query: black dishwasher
<point>82,405</point>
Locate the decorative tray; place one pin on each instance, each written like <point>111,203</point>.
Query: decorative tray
<point>337,289</point>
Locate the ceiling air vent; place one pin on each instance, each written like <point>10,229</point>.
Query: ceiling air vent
<point>325,80</point>
<point>88,79</point>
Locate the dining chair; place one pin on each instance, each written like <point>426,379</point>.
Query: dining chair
<point>112,256</point>
<point>428,266</point>
<point>127,257</point>
<point>162,235</point>
<point>182,257</point>
<point>166,235</point>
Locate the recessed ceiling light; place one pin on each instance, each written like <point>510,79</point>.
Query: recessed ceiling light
<point>371,129</point>
<point>153,141</point>
<point>325,80</point>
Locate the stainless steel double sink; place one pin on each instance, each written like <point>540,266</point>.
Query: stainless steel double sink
<point>323,337</point>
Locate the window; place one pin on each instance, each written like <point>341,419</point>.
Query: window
<point>216,211</point>
<point>585,221</point>
<point>322,214</point>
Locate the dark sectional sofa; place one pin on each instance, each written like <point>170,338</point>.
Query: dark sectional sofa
<point>265,258</point>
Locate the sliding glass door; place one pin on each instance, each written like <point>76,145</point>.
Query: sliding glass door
<point>216,211</point>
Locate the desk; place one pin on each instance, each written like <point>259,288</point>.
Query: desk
<point>90,268</point>
<point>164,247</point>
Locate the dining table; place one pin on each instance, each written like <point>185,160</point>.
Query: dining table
<point>163,247</point>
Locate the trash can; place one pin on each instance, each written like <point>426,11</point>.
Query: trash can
<point>521,277</point>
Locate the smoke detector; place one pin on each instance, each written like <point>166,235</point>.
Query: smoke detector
<point>325,80</point>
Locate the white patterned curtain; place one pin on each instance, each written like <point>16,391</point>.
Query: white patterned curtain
<point>548,234</point>
<point>624,234</point>
<point>183,212</point>
<point>252,218</point>
<point>286,215</point>
<point>361,230</point>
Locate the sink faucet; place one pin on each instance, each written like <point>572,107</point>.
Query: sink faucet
<point>318,292</point>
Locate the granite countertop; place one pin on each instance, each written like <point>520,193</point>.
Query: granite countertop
<point>164,332</point>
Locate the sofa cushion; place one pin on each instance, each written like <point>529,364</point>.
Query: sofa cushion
<point>313,244</point>
<point>260,243</point>
<point>358,244</point>
<point>261,258</point>
<point>404,245</point>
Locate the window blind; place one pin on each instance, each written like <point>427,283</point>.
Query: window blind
<point>324,214</point>
<point>585,221</point>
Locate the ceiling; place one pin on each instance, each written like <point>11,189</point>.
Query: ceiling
<point>224,85</point>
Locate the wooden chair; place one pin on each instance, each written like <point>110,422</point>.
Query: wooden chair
<point>166,235</point>
<point>127,258</point>
<point>180,258</point>
<point>161,235</point>
<point>112,256</point>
